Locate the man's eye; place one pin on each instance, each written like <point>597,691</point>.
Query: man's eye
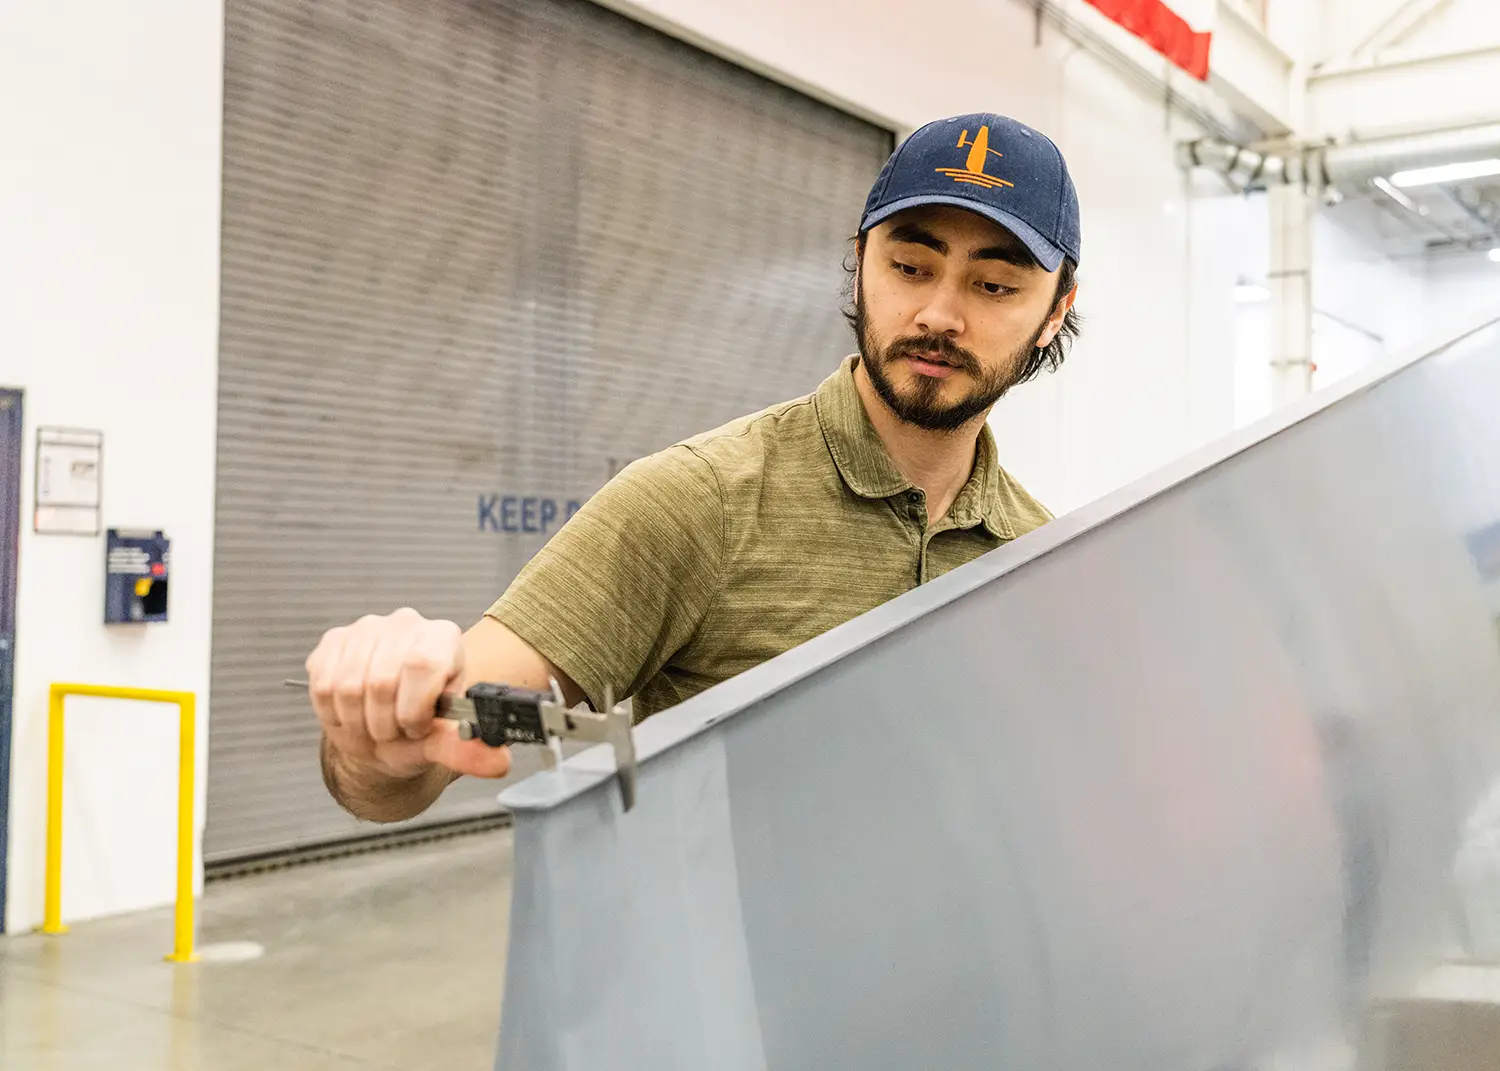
<point>997,289</point>
<point>910,270</point>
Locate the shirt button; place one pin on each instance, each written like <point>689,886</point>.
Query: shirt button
<point>914,497</point>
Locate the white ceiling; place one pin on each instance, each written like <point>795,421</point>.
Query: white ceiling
<point>1460,215</point>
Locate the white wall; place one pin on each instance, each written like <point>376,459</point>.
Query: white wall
<point>1131,397</point>
<point>1366,304</point>
<point>1459,285</point>
<point>109,178</point>
<point>1146,382</point>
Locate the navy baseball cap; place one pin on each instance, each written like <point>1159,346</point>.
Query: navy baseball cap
<point>997,167</point>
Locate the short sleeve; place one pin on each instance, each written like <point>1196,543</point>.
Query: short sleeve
<point>625,583</point>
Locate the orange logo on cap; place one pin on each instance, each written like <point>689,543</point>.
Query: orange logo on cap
<point>973,170</point>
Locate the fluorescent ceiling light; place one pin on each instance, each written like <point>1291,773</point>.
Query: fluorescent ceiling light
<point>1431,176</point>
<point>1495,254</point>
<point>1396,195</point>
<point>1251,293</point>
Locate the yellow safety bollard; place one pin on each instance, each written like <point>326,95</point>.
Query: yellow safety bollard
<point>182,946</point>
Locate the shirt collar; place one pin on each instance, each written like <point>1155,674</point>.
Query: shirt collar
<point>870,473</point>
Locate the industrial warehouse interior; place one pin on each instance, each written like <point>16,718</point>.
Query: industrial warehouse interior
<point>961,535</point>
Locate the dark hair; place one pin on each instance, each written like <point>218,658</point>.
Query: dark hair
<point>1048,357</point>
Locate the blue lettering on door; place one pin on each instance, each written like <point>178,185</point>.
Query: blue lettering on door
<point>488,522</point>
<point>525,514</point>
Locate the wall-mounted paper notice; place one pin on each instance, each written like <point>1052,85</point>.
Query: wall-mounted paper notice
<point>68,473</point>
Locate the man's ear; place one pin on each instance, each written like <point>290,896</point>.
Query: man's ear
<point>1059,314</point>
<point>859,260</point>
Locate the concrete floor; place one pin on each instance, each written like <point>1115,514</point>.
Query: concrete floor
<point>392,959</point>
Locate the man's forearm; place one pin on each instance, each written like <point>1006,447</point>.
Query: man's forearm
<point>377,797</point>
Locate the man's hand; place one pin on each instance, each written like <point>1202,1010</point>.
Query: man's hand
<point>375,685</point>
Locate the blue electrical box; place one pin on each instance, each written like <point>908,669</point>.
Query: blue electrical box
<point>135,576</point>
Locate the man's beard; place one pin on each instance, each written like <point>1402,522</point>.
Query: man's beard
<point>921,406</point>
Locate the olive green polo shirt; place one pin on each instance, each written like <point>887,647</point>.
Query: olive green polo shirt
<point>714,555</point>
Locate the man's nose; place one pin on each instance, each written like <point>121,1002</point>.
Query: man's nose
<point>941,314</point>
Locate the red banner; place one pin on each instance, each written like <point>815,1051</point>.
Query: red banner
<point>1164,30</point>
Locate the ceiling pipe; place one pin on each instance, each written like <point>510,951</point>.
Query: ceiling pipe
<point>1343,167</point>
<point>1363,161</point>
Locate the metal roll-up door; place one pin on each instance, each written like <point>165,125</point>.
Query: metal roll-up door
<point>477,255</point>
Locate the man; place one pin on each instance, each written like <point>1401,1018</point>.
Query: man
<point>701,561</point>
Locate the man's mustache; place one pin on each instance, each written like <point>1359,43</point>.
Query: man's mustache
<point>945,348</point>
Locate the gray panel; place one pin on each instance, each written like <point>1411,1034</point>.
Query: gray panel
<point>1175,783</point>
<point>475,248</point>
